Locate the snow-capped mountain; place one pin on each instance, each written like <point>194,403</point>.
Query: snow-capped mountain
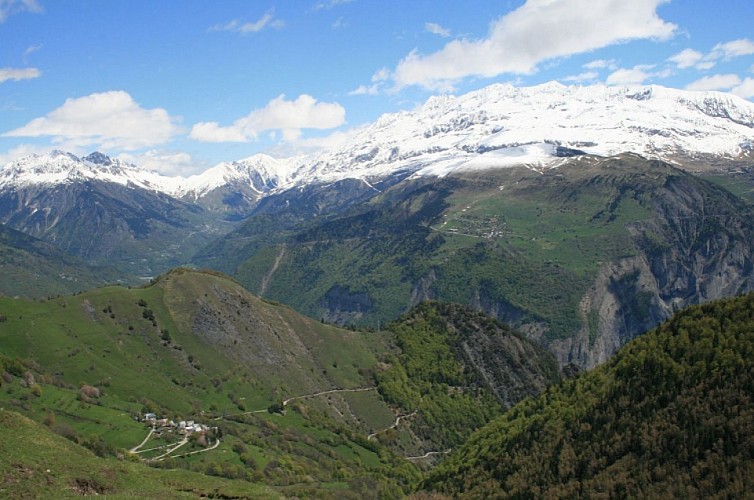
<point>497,126</point>
<point>58,167</point>
<point>260,173</point>
<point>502,125</point>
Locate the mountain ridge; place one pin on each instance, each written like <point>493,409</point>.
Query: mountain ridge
<point>494,127</point>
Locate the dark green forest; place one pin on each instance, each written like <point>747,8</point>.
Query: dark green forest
<point>671,415</point>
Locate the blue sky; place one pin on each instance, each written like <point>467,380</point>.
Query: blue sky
<point>180,86</point>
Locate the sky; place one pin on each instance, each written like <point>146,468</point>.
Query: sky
<point>179,86</point>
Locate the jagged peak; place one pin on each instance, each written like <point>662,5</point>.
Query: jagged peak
<point>98,158</point>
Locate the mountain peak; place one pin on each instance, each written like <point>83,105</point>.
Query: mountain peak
<point>99,159</point>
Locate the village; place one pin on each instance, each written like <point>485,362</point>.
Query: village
<point>182,427</point>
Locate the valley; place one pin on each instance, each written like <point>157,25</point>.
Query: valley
<point>448,302</point>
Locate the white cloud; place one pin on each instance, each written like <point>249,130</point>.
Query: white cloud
<point>601,64</point>
<point>10,7</point>
<point>582,77</point>
<point>436,29</point>
<point>289,117</point>
<point>213,132</point>
<point>706,64</point>
<point>686,58</point>
<point>722,51</point>
<point>537,31</point>
<point>745,89</point>
<point>18,74</point>
<point>108,120</point>
<point>734,48</point>
<point>165,162</point>
<point>715,82</point>
<point>237,26</point>
<point>630,76</point>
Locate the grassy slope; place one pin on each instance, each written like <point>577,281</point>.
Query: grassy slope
<point>36,463</point>
<point>669,416</point>
<point>196,345</point>
<point>102,338</point>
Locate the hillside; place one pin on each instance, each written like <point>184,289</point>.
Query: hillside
<point>32,268</point>
<point>288,394</point>
<point>37,463</point>
<point>285,400</point>
<point>582,258</point>
<point>454,370</point>
<point>671,415</point>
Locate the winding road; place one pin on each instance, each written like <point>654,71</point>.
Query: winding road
<point>331,391</point>
<point>395,424</point>
<point>429,454</point>
<point>217,443</point>
<point>180,443</point>
<point>151,431</point>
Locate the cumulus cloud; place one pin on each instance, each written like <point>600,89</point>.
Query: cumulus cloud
<point>686,58</point>
<point>10,7</point>
<point>18,74</point>
<point>715,82</point>
<point>436,29</point>
<point>279,114</point>
<point>734,48</point>
<point>107,120</point>
<point>237,26</point>
<point>535,32</point>
<point>727,51</point>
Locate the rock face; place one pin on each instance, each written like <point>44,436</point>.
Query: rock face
<point>697,248</point>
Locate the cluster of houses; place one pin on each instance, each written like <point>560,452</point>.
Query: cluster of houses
<point>183,427</point>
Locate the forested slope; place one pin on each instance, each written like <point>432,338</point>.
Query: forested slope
<point>670,415</point>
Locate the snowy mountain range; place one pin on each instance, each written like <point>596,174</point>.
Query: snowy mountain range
<point>497,126</point>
